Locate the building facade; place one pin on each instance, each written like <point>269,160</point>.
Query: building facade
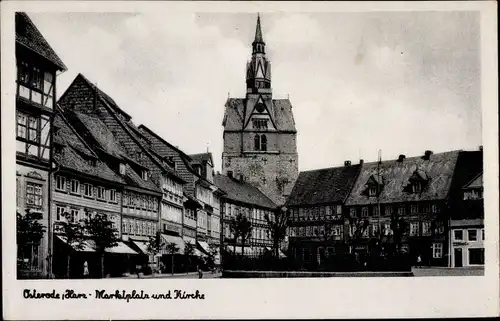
<point>37,65</point>
<point>243,198</point>
<point>316,225</point>
<point>467,229</point>
<point>259,132</point>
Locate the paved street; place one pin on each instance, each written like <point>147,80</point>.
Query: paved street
<point>206,275</point>
<point>436,271</point>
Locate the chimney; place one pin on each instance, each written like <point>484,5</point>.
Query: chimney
<point>361,162</point>
<point>480,148</point>
<point>401,158</point>
<point>230,174</point>
<point>347,163</point>
<point>427,154</point>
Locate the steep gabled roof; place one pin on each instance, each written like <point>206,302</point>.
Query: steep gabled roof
<point>74,153</point>
<point>322,186</point>
<point>438,169</point>
<point>28,35</point>
<point>244,192</point>
<point>98,135</point>
<point>235,111</point>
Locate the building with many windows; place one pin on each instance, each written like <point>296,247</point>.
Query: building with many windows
<point>37,68</point>
<point>316,226</point>
<point>83,185</point>
<point>259,132</point>
<point>243,198</point>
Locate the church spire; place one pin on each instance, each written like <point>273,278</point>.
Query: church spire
<point>258,44</point>
<point>258,31</point>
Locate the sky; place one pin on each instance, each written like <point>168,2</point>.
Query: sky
<point>399,82</point>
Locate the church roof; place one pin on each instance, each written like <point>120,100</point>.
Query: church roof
<point>235,111</point>
<point>327,185</point>
<point>439,170</point>
<point>241,191</point>
<point>28,35</point>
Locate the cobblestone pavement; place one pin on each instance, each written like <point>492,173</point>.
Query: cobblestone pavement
<point>436,271</point>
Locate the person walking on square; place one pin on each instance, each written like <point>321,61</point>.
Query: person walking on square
<point>86,270</point>
<point>200,272</point>
<point>419,261</point>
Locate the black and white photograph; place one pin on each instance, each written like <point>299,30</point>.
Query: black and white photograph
<point>258,144</point>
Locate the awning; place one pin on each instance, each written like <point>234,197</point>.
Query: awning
<point>86,247</point>
<point>177,240</point>
<point>121,248</point>
<point>281,254</point>
<point>143,246</point>
<point>193,242</point>
<point>204,246</point>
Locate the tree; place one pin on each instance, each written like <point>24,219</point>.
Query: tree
<point>172,249</point>
<point>29,233</point>
<point>101,231</point>
<point>189,252</point>
<point>75,236</point>
<point>241,227</point>
<point>277,228</point>
<point>155,245</point>
<point>358,228</point>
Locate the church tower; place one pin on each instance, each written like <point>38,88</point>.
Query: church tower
<point>260,144</point>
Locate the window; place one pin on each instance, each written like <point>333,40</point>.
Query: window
<point>60,213</point>
<point>263,142</point>
<point>101,192</point>
<point>364,212</point>
<point>437,250</point>
<point>75,186</point>
<point>112,195</point>
<point>372,191</point>
<point>132,227</point>
<point>375,211</point>
<point>435,208</point>
<point>401,210</point>
<point>87,190</point>
<point>417,187</point>
<point>35,84</point>
<point>472,235</point>
<point>388,210</point>
<point>482,234</point>
<point>259,123</point>
<point>458,235</point>
<point>414,228</point>
<point>144,175</point>
<point>123,169</point>
<point>353,213</point>
<point>34,194</point>
<point>124,226</point>
<point>374,229</point>
<point>339,209</point>
<point>60,183</point>
<point>138,228</point>
<point>74,215</point>
<point>414,209</point>
<point>33,135</point>
<point>476,256</point>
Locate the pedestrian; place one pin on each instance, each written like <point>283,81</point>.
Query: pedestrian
<point>86,270</point>
<point>419,261</point>
<point>200,272</point>
<point>138,270</point>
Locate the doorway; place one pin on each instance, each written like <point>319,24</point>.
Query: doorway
<point>458,258</point>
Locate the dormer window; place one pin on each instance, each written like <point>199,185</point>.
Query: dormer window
<point>417,181</point>
<point>144,175</point>
<point>372,191</point>
<point>374,185</point>
<point>417,187</point>
<point>123,169</point>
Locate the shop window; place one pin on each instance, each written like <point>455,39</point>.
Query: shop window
<point>458,235</point>
<point>476,256</point>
